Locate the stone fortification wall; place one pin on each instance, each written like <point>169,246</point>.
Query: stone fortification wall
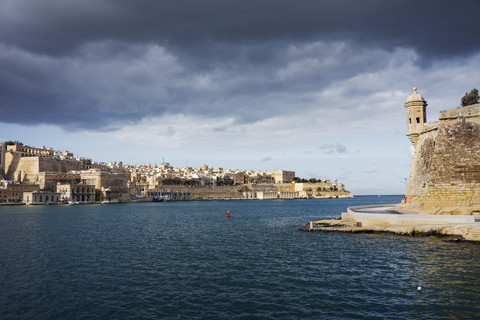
<point>57,165</point>
<point>445,174</point>
<point>28,168</point>
<point>237,192</point>
<point>465,112</point>
<point>322,190</point>
<point>208,193</point>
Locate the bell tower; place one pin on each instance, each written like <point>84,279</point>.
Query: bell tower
<point>416,110</point>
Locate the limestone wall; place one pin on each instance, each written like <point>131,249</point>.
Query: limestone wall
<point>208,193</point>
<point>56,165</point>
<point>465,112</point>
<point>281,190</point>
<point>445,174</point>
<point>21,168</point>
<point>322,190</point>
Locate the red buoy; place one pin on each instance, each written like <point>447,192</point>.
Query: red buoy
<point>228,214</point>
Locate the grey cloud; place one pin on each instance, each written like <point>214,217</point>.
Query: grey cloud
<point>332,148</point>
<point>340,148</point>
<point>267,159</point>
<point>101,64</point>
<point>110,83</point>
<point>57,27</point>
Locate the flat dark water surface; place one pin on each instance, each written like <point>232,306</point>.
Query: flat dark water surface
<point>185,260</point>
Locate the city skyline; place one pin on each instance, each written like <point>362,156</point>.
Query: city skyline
<point>317,88</point>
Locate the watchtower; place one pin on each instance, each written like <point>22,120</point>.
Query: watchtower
<point>416,109</point>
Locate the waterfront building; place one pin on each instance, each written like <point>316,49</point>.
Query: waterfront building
<point>277,195</point>
<point>161,195</point>
<point>109,186</point>
<point>250,195</point>
<point>11,191</point>
<point>41,197</point>
<point>82,193</point>
<point>49,180</point>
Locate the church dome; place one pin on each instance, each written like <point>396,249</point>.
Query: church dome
<point>415,96</point>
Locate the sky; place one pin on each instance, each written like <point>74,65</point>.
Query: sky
<point>313,86</point>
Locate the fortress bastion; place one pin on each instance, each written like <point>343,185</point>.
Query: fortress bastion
<point>445,172</point>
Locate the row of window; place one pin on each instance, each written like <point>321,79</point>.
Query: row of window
<point>77,190</point>
<point>410,120</point>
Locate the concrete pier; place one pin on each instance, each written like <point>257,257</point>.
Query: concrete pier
<point>391,219</point>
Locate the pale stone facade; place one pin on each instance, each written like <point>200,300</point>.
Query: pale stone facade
<point>76,193</point>
<point>13,192</point>
<point>24,164</point>
<point>281,176</point>
<point>41,197</point>
<point>110,187</point>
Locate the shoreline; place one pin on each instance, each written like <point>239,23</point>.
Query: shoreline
<point>388,219</point>
<point>151,201</point>
<point>411,232</point>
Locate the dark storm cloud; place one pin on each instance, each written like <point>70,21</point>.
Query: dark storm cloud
<point>90,63</point>
<point>56,27</point>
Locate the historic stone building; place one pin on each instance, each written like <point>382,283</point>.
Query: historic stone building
<point>282,176</point>
<point>445,172</point>
<point>24,163</point>
<point>109,187</point>
<point>13,192</point>
<point>81,193</point>
<point>41,197</point>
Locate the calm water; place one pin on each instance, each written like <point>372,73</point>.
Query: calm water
<point>185,260</point>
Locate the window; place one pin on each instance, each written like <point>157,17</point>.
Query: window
<point>418,119</point>
<point>410,120</point>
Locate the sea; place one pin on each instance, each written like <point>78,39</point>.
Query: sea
<point>186,260</point>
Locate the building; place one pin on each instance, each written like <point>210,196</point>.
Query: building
<point>445,172</point>
<point>160,195</point>
<point>281,176</point>
<point>277,195</point>
<point>81,193</point>
<point>13,192</point>
<point>41,197</point>
<point>109,187</point>
<point>24,163</point>
<point>50,180</point>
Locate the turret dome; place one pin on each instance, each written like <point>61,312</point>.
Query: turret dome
<point>415,96</point>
